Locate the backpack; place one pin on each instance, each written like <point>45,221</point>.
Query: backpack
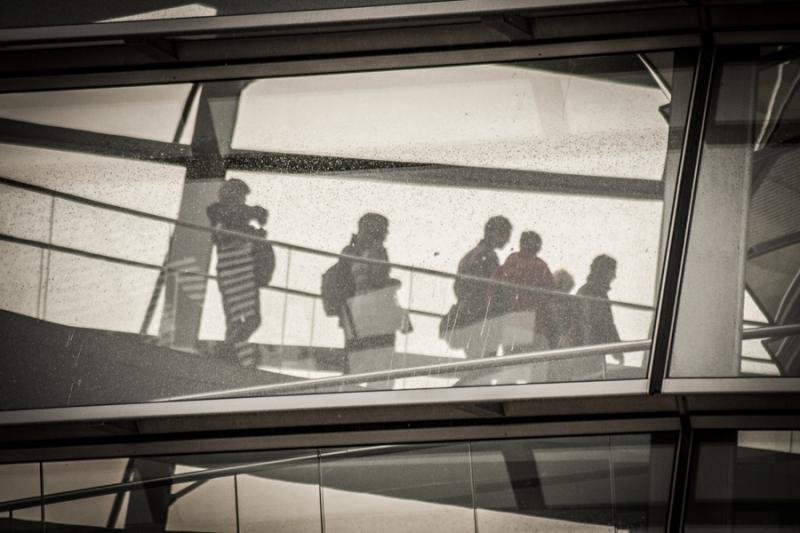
<point>337,286</point>
<point>263,260</point>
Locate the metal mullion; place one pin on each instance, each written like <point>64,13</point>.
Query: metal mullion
<point>678,237</point>
<point>680,477</point>
<point>352,63</point>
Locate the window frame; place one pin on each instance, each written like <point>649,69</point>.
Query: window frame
<point>334,401</point>
<point>728,44</point>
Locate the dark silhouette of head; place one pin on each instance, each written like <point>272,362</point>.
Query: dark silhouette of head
<point>497,231</point>
<point>530,242</point>
<point>603,269</point>
<point>563,280</point>
<point>372,228</point>
<point>233,191</point>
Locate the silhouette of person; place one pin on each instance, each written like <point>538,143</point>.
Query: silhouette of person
<point>236,268</point>
<point>473,297</point>
<point>564,281</point>
<point>595,321</point>
<point>566,312</point>
<point>371,316</point>
<point>528,313</point>
<point>564,309</point>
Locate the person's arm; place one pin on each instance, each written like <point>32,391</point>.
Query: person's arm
<point>382,271</point>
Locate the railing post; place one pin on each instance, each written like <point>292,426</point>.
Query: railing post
<point>285,304</point>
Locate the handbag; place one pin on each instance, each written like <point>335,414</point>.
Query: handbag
<point>263,259</point>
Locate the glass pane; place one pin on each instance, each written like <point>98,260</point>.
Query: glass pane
<point>425,489</point>
<point>275,491</point>
<point>574,484</point>
<point>749,195</point>
<point>745,481</point>
<point>20,481</point>
<point>435,227</point>
<point>595,483</point>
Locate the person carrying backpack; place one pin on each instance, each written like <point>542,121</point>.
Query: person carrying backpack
<point>363,296</point>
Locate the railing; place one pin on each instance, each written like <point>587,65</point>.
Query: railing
<point>188,477</point>
<point>300,248</point>
<point>423,370</point>
<point>428,370</point>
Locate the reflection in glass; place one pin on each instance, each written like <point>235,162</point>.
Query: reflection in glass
<point>425,488</point>
<point>772,268</point>
<point>282,496</point>
<point>587,484</point>
<point>745,481</point>
<point>743,258</point>
<point>436,239</point>
<point>20,481</point>
<point>219,493</point>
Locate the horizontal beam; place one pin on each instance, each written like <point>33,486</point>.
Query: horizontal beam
<point>74,30</point>
<point>102,144</point>
<point>520,180</point>
<point>362,63</point>
<point>59,138</point>
<point>251,160</point>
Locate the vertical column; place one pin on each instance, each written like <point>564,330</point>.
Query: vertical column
<point>148,509</point>
<point>191,249</point>
<point>708,330</point>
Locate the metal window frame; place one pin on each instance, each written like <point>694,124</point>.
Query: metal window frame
<point>660,355</point>
<point>324,66</point>
<point>290,19</point>
<point>721,403</point>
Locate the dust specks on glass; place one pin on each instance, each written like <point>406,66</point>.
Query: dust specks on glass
<point>421,228</point>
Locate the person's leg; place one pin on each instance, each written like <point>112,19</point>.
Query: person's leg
<point>248,322</point>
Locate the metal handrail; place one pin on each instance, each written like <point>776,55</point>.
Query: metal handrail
<point>208,229</point>
<point>166,268</point>
<point>783,330</point>
<point>187,477</point>
<point>428,370</point>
